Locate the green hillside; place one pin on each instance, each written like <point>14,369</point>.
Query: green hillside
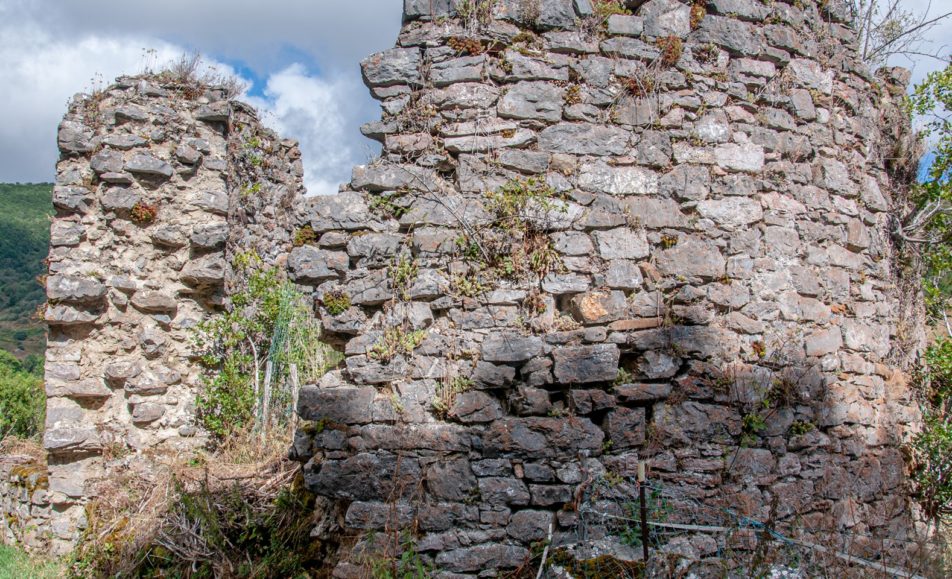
<point>24,239</point>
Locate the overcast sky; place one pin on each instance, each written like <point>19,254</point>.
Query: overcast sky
<point>300,56</point>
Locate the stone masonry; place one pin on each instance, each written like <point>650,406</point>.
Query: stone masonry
<point>588,241</point>
<point>157,188</point>
<point>717,297</point>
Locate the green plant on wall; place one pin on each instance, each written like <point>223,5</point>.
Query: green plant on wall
<point>269,321</point>
<point>931,449</point>
<point>514,243</point>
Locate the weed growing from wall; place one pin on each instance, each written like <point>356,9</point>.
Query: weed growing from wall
<point>269,322</point>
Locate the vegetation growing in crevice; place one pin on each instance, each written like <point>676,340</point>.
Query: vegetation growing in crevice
<point>336,302</point>
<point>671,49</point>
<point>514,244</point>
<point>396,342</point>
<point>304,236</point>
<point>143,213</point>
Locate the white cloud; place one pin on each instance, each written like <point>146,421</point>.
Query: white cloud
<point>314,111</point>
<point>52,50</point>
<point>39,75</point>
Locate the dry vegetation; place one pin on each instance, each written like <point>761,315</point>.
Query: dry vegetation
<point>240,511</point>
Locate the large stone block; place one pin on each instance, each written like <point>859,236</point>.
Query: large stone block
<point>510,347</point>
<point>340,405</point>
<point>532,101</point>
<point>586,364</point>
<point>74,289</point>
<point>602,178</point>
<point>542,437</point>
<point>312,265</point>
<point>622,243</point>
<point>488,556</point>
<point>584,139</point>
<point>393,67</point>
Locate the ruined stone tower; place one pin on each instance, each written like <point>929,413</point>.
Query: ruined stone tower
<point>590,240</point>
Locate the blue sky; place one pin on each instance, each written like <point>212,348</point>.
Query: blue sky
<point>301,56</point>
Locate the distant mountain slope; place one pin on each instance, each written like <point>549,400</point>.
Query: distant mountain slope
<point>24,241</point>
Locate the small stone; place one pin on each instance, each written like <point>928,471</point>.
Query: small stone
<point>187,155</point>
<point>106,161</point>
<point>208,237</point>
<point>217,112</point>
<point>170,237</point>
<point>119,199</point>
<point>154,302</point>
<point>212,201</point>
<point>204,271</point>
<point>147,412</point>
<point>148,165</point>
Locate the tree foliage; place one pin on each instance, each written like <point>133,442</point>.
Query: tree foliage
<point>887,28</point>
<point>24,243</point>
<point>22,399</point>
<point>931,221</point>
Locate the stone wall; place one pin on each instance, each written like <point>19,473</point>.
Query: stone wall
<point>26,516</point>
<point>589,242</point>
<point>159,185</point>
